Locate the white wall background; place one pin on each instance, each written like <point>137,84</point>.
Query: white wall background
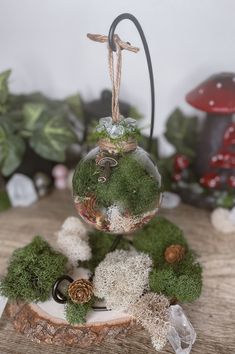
<point>45,44</point>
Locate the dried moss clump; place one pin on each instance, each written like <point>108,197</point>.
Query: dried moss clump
<point>129,184</point>
<point>32,271</point>
<point>121,278</point>
<point>181,280</point>
<point>76,313</point>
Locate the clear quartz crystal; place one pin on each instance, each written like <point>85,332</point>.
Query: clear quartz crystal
<point>106,122</point>
<point>130,122</point>
<point>21,190</point>
<point>116,131</point>
<point>181,334</point>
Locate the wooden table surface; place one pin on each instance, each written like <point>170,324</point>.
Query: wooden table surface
<point>213,315</point>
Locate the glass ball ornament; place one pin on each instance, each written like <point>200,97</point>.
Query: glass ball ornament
<point>117,186</point>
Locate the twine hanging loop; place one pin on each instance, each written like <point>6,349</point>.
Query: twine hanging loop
<point>115,68</point>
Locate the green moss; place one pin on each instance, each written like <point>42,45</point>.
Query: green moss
<point>76,313</point>
<point>188,287</point>
<point>129,184</point>
<point>85,178</point>
<point>135,134</point>
<point>32,271</point>
<point>163,281</point>
<point>182,280</point>
<point>156,236</point>
<point>100,243</point>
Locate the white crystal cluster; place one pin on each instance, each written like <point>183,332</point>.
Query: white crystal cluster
<point>72,240</point>
<point>121,278</point>
<point>152,311</point>
<point>114,131</point>
<point>223,220</point>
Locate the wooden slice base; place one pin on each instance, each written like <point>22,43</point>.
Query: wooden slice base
<point>45,322</point>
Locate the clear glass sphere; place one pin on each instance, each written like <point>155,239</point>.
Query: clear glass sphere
<point>117,193</point>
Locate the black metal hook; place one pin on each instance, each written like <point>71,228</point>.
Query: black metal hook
<point>127,16</point>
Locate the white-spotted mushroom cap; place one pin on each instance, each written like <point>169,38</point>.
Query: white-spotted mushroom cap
<point>214,95</point>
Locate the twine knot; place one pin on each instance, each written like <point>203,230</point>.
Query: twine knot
<point>114,68</point>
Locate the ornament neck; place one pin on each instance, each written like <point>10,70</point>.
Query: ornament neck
<point>116,147</point>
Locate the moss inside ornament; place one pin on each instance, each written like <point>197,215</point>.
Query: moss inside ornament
<point>117,187</point>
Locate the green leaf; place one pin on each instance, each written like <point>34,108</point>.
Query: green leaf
<point>31,113</point>
<point>52,136</point>
<point>4,76</point>
<point>4,201</point>
<point>181,131</point>
<point>75,104</point>
<point>12,148</point>
<point>134,113</point>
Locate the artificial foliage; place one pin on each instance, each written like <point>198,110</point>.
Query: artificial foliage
<point>36,125</point>
<point>32,121</point>
<point>210,190</point>
<point>129,184</point>
<point>32,271</point>
<point>182,132</point>
<point>180,281</point>
<point>4,201</point>
<point>76,313</point>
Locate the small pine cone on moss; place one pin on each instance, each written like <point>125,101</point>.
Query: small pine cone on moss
<point>174,253</point>
<point>80,291</point>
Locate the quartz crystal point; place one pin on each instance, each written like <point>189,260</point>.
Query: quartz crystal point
<point>21,190</point>
<point>181,334</point>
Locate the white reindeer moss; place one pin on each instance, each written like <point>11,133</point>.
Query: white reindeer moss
<point>121,278</point>
<point>72,240</point>
<point>152,311</point>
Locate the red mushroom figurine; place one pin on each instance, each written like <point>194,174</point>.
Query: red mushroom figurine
<point>231,182</point>
<point>224,159</point>
<point>210,180</point>
<point>229,135</point>
<point>216,97</point>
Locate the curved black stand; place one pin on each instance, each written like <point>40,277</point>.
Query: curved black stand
<point>127,16</point>
<point>56,293</point>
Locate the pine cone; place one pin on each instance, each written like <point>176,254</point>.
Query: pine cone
<point>174,253</point>
<point>80,291</point>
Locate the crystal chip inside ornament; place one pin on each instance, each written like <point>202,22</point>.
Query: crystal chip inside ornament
<point>181,334</point>
<point>116,191</point>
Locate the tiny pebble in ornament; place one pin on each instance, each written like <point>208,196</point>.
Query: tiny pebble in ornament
<point>80,291</point>
<point>174,253</point>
